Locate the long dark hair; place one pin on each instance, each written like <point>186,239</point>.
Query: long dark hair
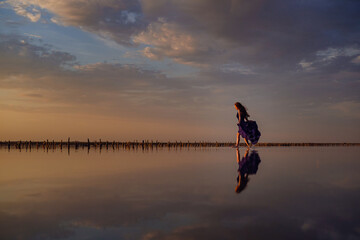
<point>243,110</point>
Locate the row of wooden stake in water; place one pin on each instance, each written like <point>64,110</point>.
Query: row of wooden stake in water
<point>144,144</point>
<point>107,144</point>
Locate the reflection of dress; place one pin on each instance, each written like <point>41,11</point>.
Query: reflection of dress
<point>249,164</point>
<point>248,130</point>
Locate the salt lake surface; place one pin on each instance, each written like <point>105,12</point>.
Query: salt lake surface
<point>284,193</point>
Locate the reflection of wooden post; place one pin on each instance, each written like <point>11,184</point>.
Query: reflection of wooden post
<point>68,145</point>
<point>88,144</point>
<point>61,143</point>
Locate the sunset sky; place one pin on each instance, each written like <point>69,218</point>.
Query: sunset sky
<point>172,69</point>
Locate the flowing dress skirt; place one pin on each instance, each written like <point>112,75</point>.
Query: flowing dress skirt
<point>249,130</point>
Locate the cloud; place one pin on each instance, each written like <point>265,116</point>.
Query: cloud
<point>262,34</point>
<point>32,35</point>
<point>20,55</point>
<point>30,66</point>
<point>323,58</point>
<point>332,53</point>
<point>31,70</point>
<point>236,68</point>
<point>259,33</point>
<point>171,40</point>
<point>26,9</point>
<point>108,18</point>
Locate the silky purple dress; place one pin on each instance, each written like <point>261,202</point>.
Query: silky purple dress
<point>248,130</point>
<point>249,164</point>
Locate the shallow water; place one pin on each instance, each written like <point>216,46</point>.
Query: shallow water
<point>292,193</point>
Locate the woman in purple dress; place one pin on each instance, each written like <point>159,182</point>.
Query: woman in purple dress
<point>248,165</point>
<point>247,129</point>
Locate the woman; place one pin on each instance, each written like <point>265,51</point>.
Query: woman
<point>247,165</point>
<point>247,129</point>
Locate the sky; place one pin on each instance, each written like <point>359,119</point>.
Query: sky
<point>171,70</point>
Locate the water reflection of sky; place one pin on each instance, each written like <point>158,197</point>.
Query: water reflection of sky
<point>296,193</point>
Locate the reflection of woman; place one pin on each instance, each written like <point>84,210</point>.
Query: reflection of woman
<point>247,129</point>
<point>247,165</point>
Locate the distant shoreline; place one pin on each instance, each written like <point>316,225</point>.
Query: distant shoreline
<point>147,144</point>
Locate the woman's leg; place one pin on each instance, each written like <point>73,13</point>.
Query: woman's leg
<point>246,141</point>
<point>237,139</point>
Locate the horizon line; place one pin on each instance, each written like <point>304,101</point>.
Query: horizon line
<point>152,143</point>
